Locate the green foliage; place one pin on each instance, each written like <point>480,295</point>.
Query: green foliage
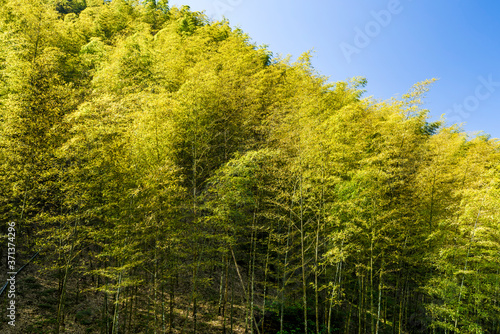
<point>176,176</point>
<point>70,6</point>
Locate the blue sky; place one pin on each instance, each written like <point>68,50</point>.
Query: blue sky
<point>392,43</point>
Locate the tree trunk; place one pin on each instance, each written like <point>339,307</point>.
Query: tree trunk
<point>265,282</point>
<point>302,256</point>
<point>114,329</point>
<point>379,299</point>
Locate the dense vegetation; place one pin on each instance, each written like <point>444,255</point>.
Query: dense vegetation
<point>176,178</point>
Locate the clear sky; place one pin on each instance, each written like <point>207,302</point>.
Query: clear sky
<point>392,43</point>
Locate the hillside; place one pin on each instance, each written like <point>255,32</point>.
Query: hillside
<point>177,178</point>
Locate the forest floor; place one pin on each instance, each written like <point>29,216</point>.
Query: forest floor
<point>37,299</point>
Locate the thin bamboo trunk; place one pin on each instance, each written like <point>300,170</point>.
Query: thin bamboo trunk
<point>249,282</point>
<point>372,319</point>
<point>302,256</point>
<point>265,282</point>
<point>316,252</point>
<point>225,295</point>
<point>348,325</point>
<point>163,320</point>
<point>379,300</point>
<point>171,305</point>
<point>316,275</point>
<point>231,310</point>
<point>285,266</point>
<point>105,308</point>
<point>221,285</point>
<point>60,309</point>
<point>361,304</point>
<point>252,279</point>
<point>114,328</point>
<point>330,308</point>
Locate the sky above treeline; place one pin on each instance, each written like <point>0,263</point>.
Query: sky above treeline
<point>392,43</point>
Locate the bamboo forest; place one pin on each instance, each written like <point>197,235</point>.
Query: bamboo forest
<point>161,173</point>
